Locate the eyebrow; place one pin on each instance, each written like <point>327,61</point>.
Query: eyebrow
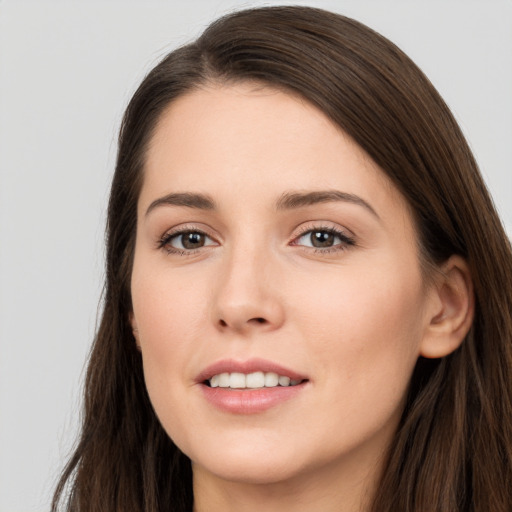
<point>292,200</point>
<point>287,201</point>
<point>187,199</point>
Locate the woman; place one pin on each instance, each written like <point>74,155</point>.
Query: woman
<point>309,292</point>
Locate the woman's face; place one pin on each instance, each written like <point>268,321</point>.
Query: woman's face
<point>270,245</point>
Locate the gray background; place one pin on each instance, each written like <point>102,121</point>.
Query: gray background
<point>67,69</point>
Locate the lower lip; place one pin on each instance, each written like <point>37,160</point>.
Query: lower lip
<point>250,401</point>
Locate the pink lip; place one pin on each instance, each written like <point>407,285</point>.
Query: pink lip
<point>249,401</point>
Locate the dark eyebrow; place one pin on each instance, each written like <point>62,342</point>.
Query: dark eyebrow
<point>287,201</point>
<point>291,200</point>
<point>200,201</point>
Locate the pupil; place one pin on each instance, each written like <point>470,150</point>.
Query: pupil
<point>322,239</point>
<point>193,240</point>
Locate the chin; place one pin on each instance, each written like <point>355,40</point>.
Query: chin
<point>249,464</point>
<point>250,472</point>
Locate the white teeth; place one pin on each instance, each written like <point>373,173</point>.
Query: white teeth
<point>237,380</point>
<point>253,380</point>
<point>284,381</point>
<point>271,379</point>
<point>223,380</point>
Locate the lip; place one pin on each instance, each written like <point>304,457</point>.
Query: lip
<point>249,401</point>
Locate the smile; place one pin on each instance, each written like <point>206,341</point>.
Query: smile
<point>250,387</point>
<point>254,380</point>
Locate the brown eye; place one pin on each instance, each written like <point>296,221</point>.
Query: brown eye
<point>186,241</point>
<point>192,240</point>
<point>322,239</point>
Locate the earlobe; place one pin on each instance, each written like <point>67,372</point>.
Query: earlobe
<point>453,309</point>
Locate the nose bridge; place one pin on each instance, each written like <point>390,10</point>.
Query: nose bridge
<point>246,296</point>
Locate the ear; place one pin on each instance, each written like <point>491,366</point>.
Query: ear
<point>452,309</point>
<point>135,330</point>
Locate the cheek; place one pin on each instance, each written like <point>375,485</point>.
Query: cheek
<point>169,313</point>
<point>169,316</point>
<point>366,333</point>
<point>166,308</point>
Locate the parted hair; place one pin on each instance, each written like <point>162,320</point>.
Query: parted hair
<point>452,451</point>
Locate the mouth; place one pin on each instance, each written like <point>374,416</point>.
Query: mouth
<point>253,380</point>
<point>250,387</point>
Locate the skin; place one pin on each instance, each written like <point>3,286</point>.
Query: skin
<point>353,317</point>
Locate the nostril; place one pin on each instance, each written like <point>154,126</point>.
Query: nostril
<point>255,320</point>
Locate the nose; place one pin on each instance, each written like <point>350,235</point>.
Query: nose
<point>246,298</point>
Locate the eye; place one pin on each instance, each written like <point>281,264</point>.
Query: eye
<point>185,241</point>
<point>324,239</point>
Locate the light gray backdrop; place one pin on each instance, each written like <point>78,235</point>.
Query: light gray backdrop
<point>67,69</point>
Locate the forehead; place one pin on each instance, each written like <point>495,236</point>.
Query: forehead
<point>248,140</point>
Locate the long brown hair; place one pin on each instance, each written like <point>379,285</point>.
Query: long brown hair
<point>453,448</point>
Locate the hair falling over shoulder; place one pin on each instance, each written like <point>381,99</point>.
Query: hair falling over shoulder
<point>452,451</point>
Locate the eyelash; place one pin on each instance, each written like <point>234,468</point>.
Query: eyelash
<point>346,240</point>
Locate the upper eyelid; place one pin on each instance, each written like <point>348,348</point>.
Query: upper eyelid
<point>186,228</point>
<point>304,228</point>
<point>323,226</point>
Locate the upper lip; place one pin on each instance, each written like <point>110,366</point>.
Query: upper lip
<point>249,366</point>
